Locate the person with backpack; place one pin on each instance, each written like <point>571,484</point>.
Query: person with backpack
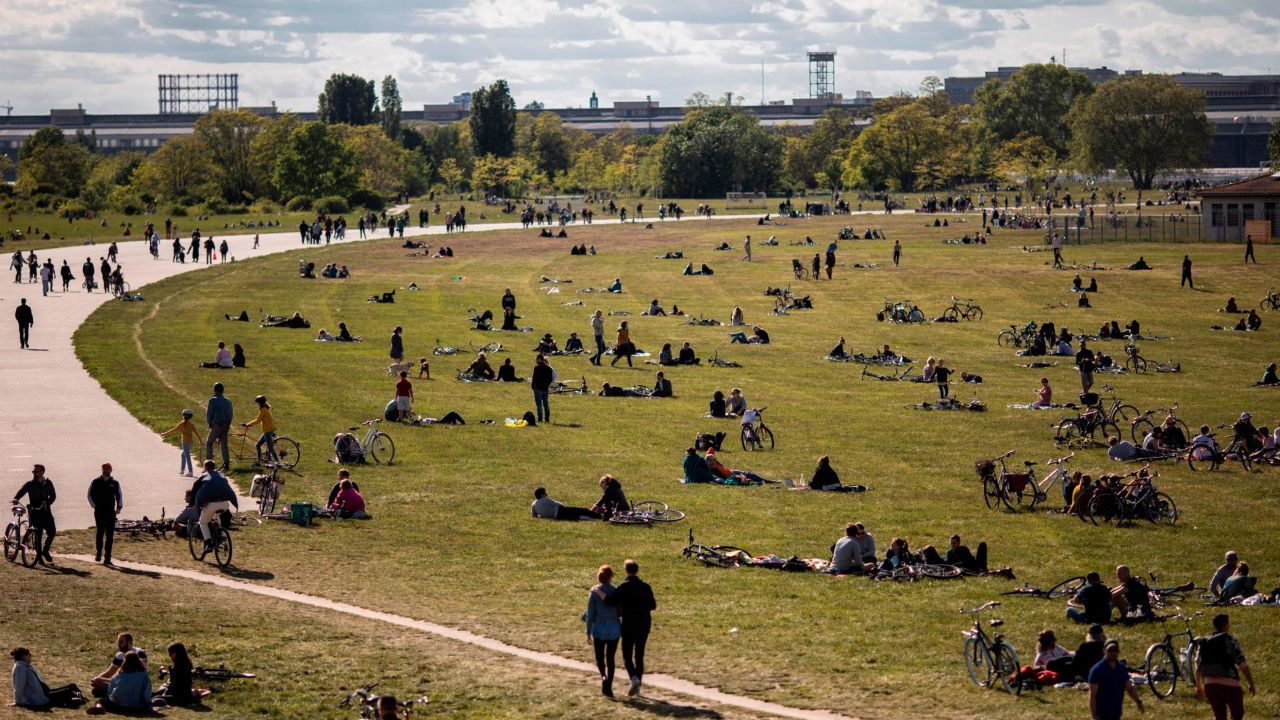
<point>1220,662</point>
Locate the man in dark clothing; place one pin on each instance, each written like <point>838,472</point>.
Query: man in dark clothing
<point>88,270</point>
<point>612,499</point>
<point>1248,250</point>
<point>1094,599</point>
<point>218,415</point>
<point>509,300</point>
<point>541,383</point>
<point>107,502</point>
<point>1186,272</point>
<point>634,600</point>
<point>397,345</point>
<point>40,497</point>
<point>25,320</point>
<point>106,275</point>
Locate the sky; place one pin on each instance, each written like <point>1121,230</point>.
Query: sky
<point>106,54</point>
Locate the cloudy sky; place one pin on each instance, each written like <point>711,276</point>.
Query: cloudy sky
<point>107,53</point>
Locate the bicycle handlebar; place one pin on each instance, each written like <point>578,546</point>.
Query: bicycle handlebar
<point>988,606</point>
<point>1004,455</point>
<point>360,693</point>
<point>1060,460</point>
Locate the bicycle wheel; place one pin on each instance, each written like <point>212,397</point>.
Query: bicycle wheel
<point>267,504</point>
<point>939,572</point>
<point>1006,338</point>
<point>195,542</point>
<point>13,542</point>
<point>975,313</point>
<point>991,492</point>
<point>1161,670</point>
<point>1140,428</point>
<point>222,547</point>
<point>976,662</point>
<point>1002,486</point>
<point>708,556</point>
<point>1162,509</point>
<point>649,507</point>
<point>30,554</point>
<point>1125,415</point>
<point>1201,458</point>
<point>1136,364</point>
<point>1005,667</point>
<point>1109,429</point>
<point>382,449</point>
<point>950,314</point>
<point>1066,588</point>
<point>764,438</point>
<point>1104,508</point>
<point>1068,430</point>
<point>748,440</point>
<point>669,516</point>
<point>288,452</point>
<point>1237,452</point>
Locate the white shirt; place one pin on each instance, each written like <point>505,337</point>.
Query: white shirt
<point>749,417</point>
<point>597,325</point>
<point>223,358</point>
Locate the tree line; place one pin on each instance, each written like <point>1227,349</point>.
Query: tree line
<point>1046,119</point>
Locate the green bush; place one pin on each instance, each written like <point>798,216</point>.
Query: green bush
<point>178,211</point>
<point>265,207</point>
<point>301,203</point>
<point>215,205</point>
<point>367,199</point>
<point>331,205</point>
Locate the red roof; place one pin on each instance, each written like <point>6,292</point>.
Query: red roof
<point>1268,185</point>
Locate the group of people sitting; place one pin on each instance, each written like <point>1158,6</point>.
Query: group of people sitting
<point>547,345</point>
<point>686,356</point>
<point>704,270</point>
<point>855,554</point>
<point>708,469</point>
<point>332,270</point>
<point>344,335</point>
<point>1077,285</point>
<point>612,501</point>
<point>733,406</point>
<point>578,249</point>
<point>546,233</point>
<point>225,359</point>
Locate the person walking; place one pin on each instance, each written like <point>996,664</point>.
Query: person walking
<point>1186,272</point>
<point>40,495</point>
<point>107,502</point>
<point>223,249</point>
<point>1248,250</point>
<point>603,627</point>
<point>1108,682</point>
<point>397,345</point>
<point>1057,250</point>
<point>635,602</point>
<point>831,259</point>
<point>404,397</point>
<point>218,415</point>
<point>187,431</point>
<point>88,270</point>
<point>624,346</point>
<point>542,377</point>
<point>597,330</point>
<point>46,278</point>
<point>817,263</point>
<point>746,247</point>
<point>1219,664</point>
<point>67,277</point>
<point>25,320</point>
<point>897,251</point>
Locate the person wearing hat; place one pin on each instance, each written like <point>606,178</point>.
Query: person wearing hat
<point>1108,682</point>
<point>1224,572</point>
<point>547,345</point>
<point>1246,432</point>
<point>107,502</point>
<point>187,431</point>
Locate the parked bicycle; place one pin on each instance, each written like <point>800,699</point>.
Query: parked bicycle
<point>1018,336</point>
<point>1173,659</point>
<point>1135,363</point>
<point>1119,502</point>
<point>1145,423</point>
<point>962,309</point>
<point>1271,301</point>
<point>990,660</point>
<point>20,539</point>
<point>1203,456</point>
<point>646,512</point>
<point>374,444</point>
<point>757,436</point>
<point>266,488</point>
<point>368,703</point>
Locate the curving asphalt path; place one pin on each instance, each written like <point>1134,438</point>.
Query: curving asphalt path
<point>54,413</point>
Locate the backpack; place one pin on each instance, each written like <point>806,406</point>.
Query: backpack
<point>347,448</point>
<point>702,441</point>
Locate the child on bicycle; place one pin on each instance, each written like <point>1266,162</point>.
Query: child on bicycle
<point>268,423</point>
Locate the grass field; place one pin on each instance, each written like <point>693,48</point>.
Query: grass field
<point>452,540</point>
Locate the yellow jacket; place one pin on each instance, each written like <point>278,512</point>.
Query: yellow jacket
<point>188,430</point>
<point>264,418</point>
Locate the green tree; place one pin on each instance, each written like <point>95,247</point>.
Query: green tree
<point>228,136</point>
<point>493,120</point>
<point>587,172</point>
<point>385,168</point>
<point>178,170</point>
<point>820,151</point>
<point>48,163</point>
<point>698,99</point>
<point>314,162</point>
<point>1141,125</point>
<point>448,142</point>
<point>1027,159</point>
<point>391,108</point>
<point>1036,101</point>
<point>717,150</point>
<point>489,174</point>
<point>7,166</point>
<point>550,146</point>
<point>894,149</point>
<point>265,149</point>
<point>347,99</point>
<point>450,174</point>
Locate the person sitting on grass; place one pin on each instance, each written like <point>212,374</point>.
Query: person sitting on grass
<point>846,554</point>
<point>547,345</point>
<point>1044,395</point>
<point>507,372</point>
<point>1083,301</point>
<point>687,356</point>
<point>1048,649</point>
<point>129,689</point>
<point>612,500</point>
<point>1063,347</point>
<point>1091,603</point>
<point>544,507</point>
<point>30,690</point>
<point>1131,596</point>
<point>509,319</point>
<point>655,309</point>
<point>1078,664</point>
<point>1081,494</point>
<point>324,336</point>
<point>825,478</point>
<point>1231,306</point>
<point>237,357</point>
<point>664,355</point>
<point>178,691</point>
<point>898,555</point>
<point>616,286</point>
<point>1239,585</point>
<point>718,408</point>
<point>838,352</point>
<point>1140,264</point>
<point>960,556</point>
<point>695,468</point>
<point>1269,376</point>
<point>573,344</point>
<point>1121,450</point>
<point>221,359</point>
<point>661,386</point>
<point>1172,435</point>
<point>295,321</point>
<point>759,336</point>
<point>737,403</point>
<point>348,503</point>
<point>480,368</point>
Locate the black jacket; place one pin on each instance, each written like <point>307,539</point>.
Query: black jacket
<point>104,495</point>
<point>634,600</point>
<point>541,377</point>
<point>23,315</point>
<point>39,495</point>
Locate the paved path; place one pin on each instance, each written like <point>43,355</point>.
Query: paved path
<point>657,680</point>
<point>52,412</point>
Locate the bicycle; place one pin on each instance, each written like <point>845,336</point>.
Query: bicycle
<point>267,489</point>
<point>757,436</point>
<point>912,572</point>
<point>218,674</point>
<point>1202,456</point>
<point>1138,500</point>
<point>1005,488</point>
<point>989,658</point>
<point>1067,588</point>
<point>724,556</point>
<point>1040,489</point>
<point>369,703</point>
<point>1166,662</point>
<point>157,529</point>
<point>646,512</point>
<point>1271,301</point>
<point>569,387</point>
<point>1017,336</point>
<point>800,272</point>
<point>866,373</point>
<point>221,542</point>
<point>1135,362</point>
<point>20,539</point>
<point>243,447</point>
<point>967,311</point>
<point>1143,424</point>
<point>120,289</point>
<point>715,361</point>
<point>375,443</point>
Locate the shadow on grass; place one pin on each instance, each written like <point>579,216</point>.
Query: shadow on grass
<point>132,571</point>
<point>64,570</point>
<point>243,574</point>
<point>666,709</point>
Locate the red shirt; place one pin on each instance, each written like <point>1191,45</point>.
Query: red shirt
<point>404,388</point>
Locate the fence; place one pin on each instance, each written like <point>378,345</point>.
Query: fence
<point>1131,228</point>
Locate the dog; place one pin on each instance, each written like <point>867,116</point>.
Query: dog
<point>395,369</point>
<point>424,369</point>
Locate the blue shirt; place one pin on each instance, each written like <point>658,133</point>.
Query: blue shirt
<point>602,620</point>
<point>215,488</point>
<point>1111,685</point>
<point>218,411</point>
<point>131,690</point>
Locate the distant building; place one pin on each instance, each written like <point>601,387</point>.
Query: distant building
<point>594,102</point>
<point>1248,207</point>
<point>463,99</point>
<point>960,90</point>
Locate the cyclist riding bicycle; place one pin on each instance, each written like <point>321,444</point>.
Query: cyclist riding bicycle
<point>214,497</point>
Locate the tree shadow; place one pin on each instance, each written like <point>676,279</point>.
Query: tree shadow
<point>667,709</point>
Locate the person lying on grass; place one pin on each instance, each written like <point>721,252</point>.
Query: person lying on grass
<point>728,475</point>
<point>759,336</point>
<point>695,468</point>
<point>295,321</point>
<point>544,507</point>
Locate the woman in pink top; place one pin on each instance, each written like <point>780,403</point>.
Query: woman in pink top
<point>1045,393</point>
<point>349,503</point>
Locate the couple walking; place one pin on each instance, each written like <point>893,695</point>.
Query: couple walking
<point>619,612</point>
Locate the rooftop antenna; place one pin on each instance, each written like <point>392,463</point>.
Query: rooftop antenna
<point>762,80</point>
<point>8,108</point>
